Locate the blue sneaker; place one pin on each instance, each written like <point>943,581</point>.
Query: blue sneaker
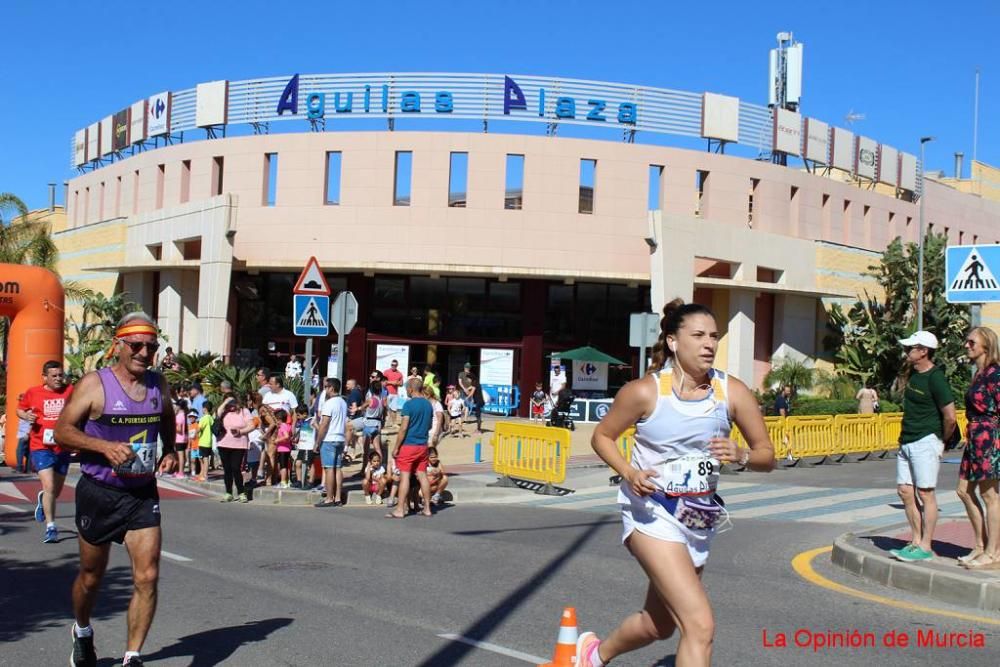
<point>895,553</point>
<point>51,535</point>
<point>39,510</point>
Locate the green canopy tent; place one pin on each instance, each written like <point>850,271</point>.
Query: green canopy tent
<point>587,353</point>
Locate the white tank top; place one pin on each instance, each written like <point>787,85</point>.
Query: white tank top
<point>680,428</point>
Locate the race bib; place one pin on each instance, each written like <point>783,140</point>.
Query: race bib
<point>689,475</point>
<point>142,464</point>
<point>49,436</point>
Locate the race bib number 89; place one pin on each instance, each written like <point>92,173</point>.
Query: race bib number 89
<point>689,475</point>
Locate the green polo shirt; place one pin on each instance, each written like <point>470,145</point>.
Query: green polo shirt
<point>925,395</point>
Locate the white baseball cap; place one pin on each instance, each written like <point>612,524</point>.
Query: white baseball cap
<point>922,338</point>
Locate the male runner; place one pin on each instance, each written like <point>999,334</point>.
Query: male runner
<point>124,409</point>
<point>40,407</point>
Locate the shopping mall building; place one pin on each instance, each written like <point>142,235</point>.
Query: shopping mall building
<point>534,216</point>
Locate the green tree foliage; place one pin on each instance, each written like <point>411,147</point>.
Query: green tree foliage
<point>865,338</point>
<point>89,337</point>
<point>791,372</point>
<point>194,367</point>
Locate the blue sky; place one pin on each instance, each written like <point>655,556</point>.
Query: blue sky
<point>907,65</point>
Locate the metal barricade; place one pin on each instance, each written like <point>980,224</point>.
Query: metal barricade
<point>857,434</point>
<point>811,436</point>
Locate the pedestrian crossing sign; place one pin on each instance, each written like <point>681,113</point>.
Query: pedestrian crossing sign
<point>971,273</point>
<point>311,316</point>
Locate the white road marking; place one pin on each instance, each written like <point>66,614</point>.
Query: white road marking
<point>9,489</point>
<point>176,487</point>
<point>176,557</point>
<point>12,508</point>
<point>809,503</point>
<point>486,646</point>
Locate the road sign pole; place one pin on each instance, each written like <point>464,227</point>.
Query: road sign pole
<point>307,373</point>
<point>642,353</point>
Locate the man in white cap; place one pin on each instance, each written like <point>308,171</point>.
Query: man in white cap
<point>928,422</point>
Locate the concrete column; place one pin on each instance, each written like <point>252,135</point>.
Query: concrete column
<point>169,308</point>
<point>795,327</point>
<point>672,265</point>
<point>213,303</point>
<point>741,335</point>
<point>139,286</point>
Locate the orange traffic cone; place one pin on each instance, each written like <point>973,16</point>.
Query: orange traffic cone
<point>565,653</point>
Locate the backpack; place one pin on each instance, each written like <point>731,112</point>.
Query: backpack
<point>218,428</point>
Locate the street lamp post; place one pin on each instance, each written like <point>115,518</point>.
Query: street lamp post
<point>920,241</point>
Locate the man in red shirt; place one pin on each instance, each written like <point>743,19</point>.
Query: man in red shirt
<point>41,406</point>
<point>393,383</point>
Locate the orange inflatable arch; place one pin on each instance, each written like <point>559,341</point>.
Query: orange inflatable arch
<point>33,299</point>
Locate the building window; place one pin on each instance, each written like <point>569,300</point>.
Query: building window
<point>86,205</point>
<point>331,196</point>
<point>514,183</point>
<point>701,183</point>
<point>217,166</point>
<point>270,178</point>
<point>793,213</point>
<point>588,179</point>
<point>402,175</point>
<point>118,197</point>
<point>847,221</point>
<point>135,192</point>
<point>754,184</point>
<point>458,177</point>
<point>653,202</point>
<point>161,174</point>
<point>76,208</point>
<point>185,181</point>
<point>100,203</point>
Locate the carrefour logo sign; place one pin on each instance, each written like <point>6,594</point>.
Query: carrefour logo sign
<point>377,99</point>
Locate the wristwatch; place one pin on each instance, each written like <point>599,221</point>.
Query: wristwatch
<point>746,457</point>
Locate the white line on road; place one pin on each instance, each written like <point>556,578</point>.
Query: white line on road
<point>12,508</point>
<point>8,489</point>
<point>486,646</point>
<point>176,557</point>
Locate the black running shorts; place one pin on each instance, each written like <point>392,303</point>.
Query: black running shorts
<point>105,513</point>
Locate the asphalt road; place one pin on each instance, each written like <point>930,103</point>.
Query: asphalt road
<point>277,585</point>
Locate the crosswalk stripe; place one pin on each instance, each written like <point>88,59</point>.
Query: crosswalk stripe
<point>10,489</point>
<point>806,508</point>
<point>780,496</point>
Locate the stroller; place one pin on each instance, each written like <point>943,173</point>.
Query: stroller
<point>560,415</point>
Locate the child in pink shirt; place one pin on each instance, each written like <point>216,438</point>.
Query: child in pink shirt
<point>283,445</point>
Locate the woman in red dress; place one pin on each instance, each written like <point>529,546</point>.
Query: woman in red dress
<point>980,467</point>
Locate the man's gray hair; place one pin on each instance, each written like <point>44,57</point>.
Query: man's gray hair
<point>415,384</point>
<point>136,315</point>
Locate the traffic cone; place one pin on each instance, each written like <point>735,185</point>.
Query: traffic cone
<point>565,653</point>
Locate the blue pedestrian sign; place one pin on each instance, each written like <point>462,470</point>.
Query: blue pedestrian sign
<point>311,315</point>
<point>971,273</point>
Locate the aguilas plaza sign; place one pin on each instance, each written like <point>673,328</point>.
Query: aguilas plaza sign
<point>376,99</point>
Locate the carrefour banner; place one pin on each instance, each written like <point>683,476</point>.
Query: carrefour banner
<point>590,376</point>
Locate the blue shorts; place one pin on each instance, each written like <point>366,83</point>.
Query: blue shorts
<point>43,459</point>
<point>372,428</point>
<point>331,454</point>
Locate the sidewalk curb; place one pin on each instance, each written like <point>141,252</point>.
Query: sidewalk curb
<point>956,588</point>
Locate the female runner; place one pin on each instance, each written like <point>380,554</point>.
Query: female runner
<point>682,411</point>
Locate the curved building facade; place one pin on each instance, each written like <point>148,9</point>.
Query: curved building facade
<point>457,241</point>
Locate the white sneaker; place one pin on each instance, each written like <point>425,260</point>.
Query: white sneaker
<point>368,500</point>
<point>378,499</point>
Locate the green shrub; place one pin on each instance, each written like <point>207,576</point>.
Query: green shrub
<point>830,406</point>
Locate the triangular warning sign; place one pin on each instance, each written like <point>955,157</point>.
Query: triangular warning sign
<point>973,274</point>
<point>312,316</point>
<point>311,280</point>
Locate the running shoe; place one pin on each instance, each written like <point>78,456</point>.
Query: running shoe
<point>586,648</point>
<point>134,661</point>
<point>896,552</point>
<point>914,555</point>
<point>378,499</point>
<point>228,498</point>
<point>51,535</point>
<point>436,499</point>
<point>83,654</point>
<point>179,475</point>
<point>39,509</point>
<point>243,498</point>
<point>369,500</point>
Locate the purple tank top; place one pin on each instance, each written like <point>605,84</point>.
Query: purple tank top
<point>125,420</point>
